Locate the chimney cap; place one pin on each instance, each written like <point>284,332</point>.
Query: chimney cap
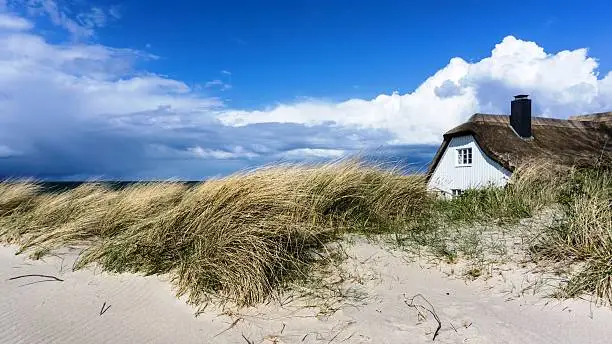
<point>521,96</point>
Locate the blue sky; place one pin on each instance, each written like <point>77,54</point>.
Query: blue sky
<point>192,89</point>
<point>282,50</point>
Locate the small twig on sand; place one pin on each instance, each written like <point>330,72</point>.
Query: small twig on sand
<point>36,275</point>
<point>308,334</point>
<point>334,337</point>
<point>432,311</point>
<point>247,340</point>
<point>229,328</point>
<point>103,310</point>
<point>341,330</point>
<point>349,337</point>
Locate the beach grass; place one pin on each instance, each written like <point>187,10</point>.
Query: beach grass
<point>584,239</point>
<point>579,238</point>
<point>242,238</point>
<point>236,238</point>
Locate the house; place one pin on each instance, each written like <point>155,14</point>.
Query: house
<point>488,148</point>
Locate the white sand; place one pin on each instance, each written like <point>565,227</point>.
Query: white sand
<point>145,310</point>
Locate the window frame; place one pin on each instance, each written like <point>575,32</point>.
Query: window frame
<point>464,157</point>
<point>456,192</point>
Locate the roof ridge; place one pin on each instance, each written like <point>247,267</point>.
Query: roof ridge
<point>484,117</point>
<point>593,117</point>
<point>500,118</point>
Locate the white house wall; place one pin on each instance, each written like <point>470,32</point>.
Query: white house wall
<point>483,171</point>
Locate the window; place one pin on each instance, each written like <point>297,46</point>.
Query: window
<point>464,156</point>
<point>456,192</point>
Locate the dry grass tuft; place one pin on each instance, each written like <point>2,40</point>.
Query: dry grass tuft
<point>237,238</point>
<point>579,203</point>
<point>532,187</point>
<point>584,238</point>
<point>242,238</point>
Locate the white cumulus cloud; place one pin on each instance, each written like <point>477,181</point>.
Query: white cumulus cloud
<point>560,83</point>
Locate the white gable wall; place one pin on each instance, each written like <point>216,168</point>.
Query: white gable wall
<point>483,171</point>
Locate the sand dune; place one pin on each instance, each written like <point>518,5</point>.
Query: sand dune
<point>145,310</point>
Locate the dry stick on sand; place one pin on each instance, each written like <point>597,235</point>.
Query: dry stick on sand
<point>432,311</point>
<point>103,310</point>
<point>247,340</point>
<point>232,326</point>
<point>36,275</point>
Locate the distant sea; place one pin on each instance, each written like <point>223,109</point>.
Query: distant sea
<point>114,185</point>
<point>409,159</point>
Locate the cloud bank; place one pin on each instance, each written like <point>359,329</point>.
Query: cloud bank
<point>563,83</point>
<point>80,110</point>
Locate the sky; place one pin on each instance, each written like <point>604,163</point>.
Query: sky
<point>132,90</point>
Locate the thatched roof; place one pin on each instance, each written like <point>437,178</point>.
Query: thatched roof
<point>581,141</point>
<point>601,117</point>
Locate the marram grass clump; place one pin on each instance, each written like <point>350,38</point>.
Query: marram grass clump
<point>237,239</point>
<point>578,200</point>
<point>584,238</point>
<point>533,186</point>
